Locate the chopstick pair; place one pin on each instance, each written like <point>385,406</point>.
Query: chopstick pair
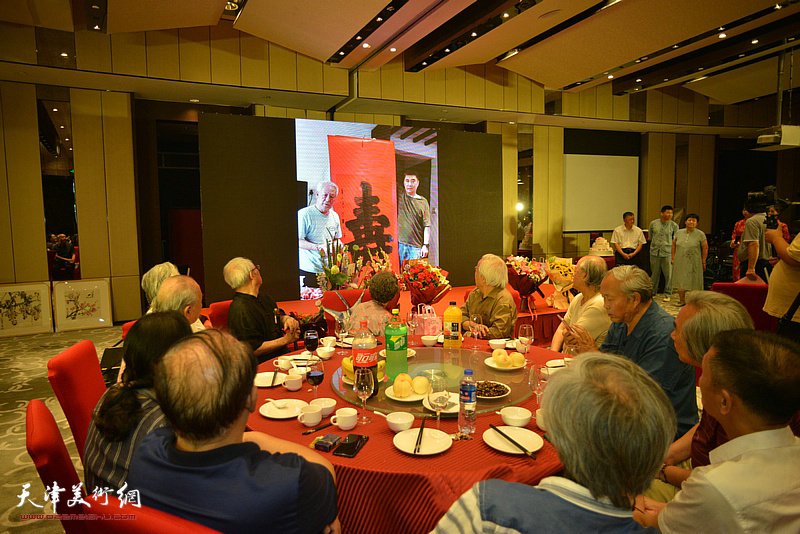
<point>326,425</point>
<point>514,443</point>
<point>419,436</point>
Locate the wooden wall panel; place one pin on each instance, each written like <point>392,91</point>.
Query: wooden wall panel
<point>309,75</point>
<point>414,86</point>
<point>622,108</point>
<point>745,114</point>
<point>570,104</point>
<point>93,51</point>
<point>706,173</point>
<point>510,157</point>
<point>254,61</point>
<point>669,105</point>
<point>334,80</point>
<point>344,117</point>
<point>730,115</point>
<point>537,98</point>
<point>369,84</point>
<point>6,247</point>
<point>541,188</point>
<point>129,53</point>
<point>317,115</point>
<point>24,178</point>
<point>17,43</point>
<point>126,301</point>
<point>605,101</point>
<point>282,68</point>
<point>666,192</point>
<point>274,111</point>
<point>380,118</point>
<point>588,100</point>
<point>90,181</point>
<point>226,66</point>
<point>435,86</point>
<point>120,187</point>
<point>700,109</point>
<point>455,84</point>
<point>523,94</point>
<point>556,189</point>
<point>685,106</point>
<point>163,56</point>
<point>293,113</point>
<point>475,86</point>
<point>195,51</point>
<point>365,118</point>
<point>392,80</point>
<point>654,106</point>
<point>495,77</point>
<point>510,91</point>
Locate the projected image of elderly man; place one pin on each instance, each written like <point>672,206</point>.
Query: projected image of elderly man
<point>611,425</point>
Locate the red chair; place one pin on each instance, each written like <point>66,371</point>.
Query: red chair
<point>146,520</point>
<point>332,301</point>
<point>53,463</point>
<point>77,381</point>
<point>752,296</point>
<point>218,316</point>
<point>125,327</point>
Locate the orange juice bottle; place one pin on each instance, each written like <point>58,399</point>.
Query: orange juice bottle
<point>452,326</point>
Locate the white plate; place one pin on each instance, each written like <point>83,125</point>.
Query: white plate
<point>558,363</point>
<point>490,362</point>
<point>527,438</point>
<point>292,409</point>
<point>264,380</point>
<point>346,342</point>
<point>346,380</point>
<point>410,353</point>
<point>411,398</point>
<point>511,344</point>
<point>433,441</point>
<point>507,393</point>
<point>452,406</point>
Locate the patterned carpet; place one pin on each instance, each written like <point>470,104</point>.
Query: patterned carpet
<point>23,376</point>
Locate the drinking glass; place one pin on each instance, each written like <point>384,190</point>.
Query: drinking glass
<point>341,334</point>
<point>526,338</point>
<point>316,373</point>
<point>311,340</point>
<point>475,327</point>
<point>537,382</point>
<point>438,396</point>
<point>411,323</point>
<point>364,384</point>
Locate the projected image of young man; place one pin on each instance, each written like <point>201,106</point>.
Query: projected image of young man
<point>317,224</point>
<point>413,222</point>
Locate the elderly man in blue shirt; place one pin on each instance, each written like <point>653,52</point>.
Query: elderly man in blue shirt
<point>641,331</point>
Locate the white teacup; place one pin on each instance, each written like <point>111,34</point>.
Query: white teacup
<point>328,341</point>
<point>310,415</point>
<point>293,382</point>
<point>540,420</point>
<point>345,418</point>
<point>301,370</point>
<point>326,403</point>
<point>283,363</point>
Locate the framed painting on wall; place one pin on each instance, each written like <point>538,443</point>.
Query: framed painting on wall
<point>25,309</point>
<point>82,304</point>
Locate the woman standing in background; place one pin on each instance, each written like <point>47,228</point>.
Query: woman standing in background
<point>689,253</point>
<point>736,237</point>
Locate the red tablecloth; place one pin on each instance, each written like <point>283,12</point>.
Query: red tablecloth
<point>384,490</point>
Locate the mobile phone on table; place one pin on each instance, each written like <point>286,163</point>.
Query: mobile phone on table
<point>350,445</point>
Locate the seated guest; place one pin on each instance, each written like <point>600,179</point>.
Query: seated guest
<point>253,317</point>
<point>128,410</point>
<point>610,424</point>
<point>587,309</point>
<point>751,385</point>
<point>628,240</point>
<point>383,288</point>
<point>491,300</point>
<point>706,313</point>
<point>181,294</point>
<point>207,469</point>
<point>641,331</point>
<point>152,280</point>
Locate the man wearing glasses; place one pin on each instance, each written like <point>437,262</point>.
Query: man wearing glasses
<point>254,318</point>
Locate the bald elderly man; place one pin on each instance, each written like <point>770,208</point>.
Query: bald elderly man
<point>181,294</point>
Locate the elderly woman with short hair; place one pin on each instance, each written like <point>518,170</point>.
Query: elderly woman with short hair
<point>383,288</point>
<point>610,424</point>
<point>152,280</point>
<point>587,309</point>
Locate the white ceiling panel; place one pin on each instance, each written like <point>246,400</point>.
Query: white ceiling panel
<point>146,15</point>
<point>745,83</point>
<point>53,14</point>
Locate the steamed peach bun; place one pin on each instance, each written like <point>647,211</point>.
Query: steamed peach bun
<point>402,388</point>
<point>420,385</point>
<point>517,359</point>
<point>501,358</point>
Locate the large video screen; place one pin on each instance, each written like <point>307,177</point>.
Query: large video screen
<point>368,185</point>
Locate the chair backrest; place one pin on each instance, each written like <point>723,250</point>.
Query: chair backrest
<point>49,454</point>
<point>147,520</point>
<point>77,381</point>
<point>126,327</point>
<point>219,314</point>
<point>752,296</point>
<point>332,301</point>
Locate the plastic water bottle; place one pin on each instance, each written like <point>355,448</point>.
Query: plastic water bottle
<point>396,346</point>
<point>467,400</point>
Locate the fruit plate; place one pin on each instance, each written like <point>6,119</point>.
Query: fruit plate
<point>409,354</point>
<point>490,362</point>
<point>506,394</point>
<point>411,398</point>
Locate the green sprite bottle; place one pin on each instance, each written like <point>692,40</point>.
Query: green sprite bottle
<point>396,346</point>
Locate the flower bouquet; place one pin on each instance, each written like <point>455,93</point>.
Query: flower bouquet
<point>311,321</point>
<point>377,263</point>
<point>525,276</point>
<point>561,272</point>
<point>338,269</point>
<point>427,283</point>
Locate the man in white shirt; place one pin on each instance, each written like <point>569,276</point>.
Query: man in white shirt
<point>751,385</point>
<point>628,240</point>
<point>316,226</point>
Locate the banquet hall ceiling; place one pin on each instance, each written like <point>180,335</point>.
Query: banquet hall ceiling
<point>564,45</point>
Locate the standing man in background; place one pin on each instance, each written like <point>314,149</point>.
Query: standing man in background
<point>413,222</point>
<point>628,240</point>
<point>662,232</point>
<point>754,250</point>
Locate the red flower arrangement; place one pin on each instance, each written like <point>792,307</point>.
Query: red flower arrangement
<point>427,284</point>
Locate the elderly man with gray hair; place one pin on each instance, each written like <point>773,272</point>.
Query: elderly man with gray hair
<point>181,294</point>
<point>383,288</point>
<point>152,279</point>
<point>490,300</point>
<point>317,224</point>
<point>641,331</point>
<point>611,425</point>
<point>585,310</point>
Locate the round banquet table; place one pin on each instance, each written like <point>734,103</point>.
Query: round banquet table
<point>383,489</point>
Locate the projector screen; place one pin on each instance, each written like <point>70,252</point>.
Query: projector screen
<point>598,190</point>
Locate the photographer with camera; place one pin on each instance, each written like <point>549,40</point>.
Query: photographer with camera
<point>753,250</point>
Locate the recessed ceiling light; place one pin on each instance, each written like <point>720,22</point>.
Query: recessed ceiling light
<point>644,57</point>
<point>674,46</point>
<point>791,38</point>
<point>578,83</point>
<point>722,36</point>
<point>55,109</point>
<point>365,45</point>
<point>96,26</point>
<point>638,80</point>
<point>511,122</point>
<point>777,6</point>
<point>505,15</point>
<point>64,54</point>
<point>700,68</point>
<point>392,49</point>
<point>638,61</point>
<point>754,41</point>
<point>194,100</point>
<point>447,50</point>
<point>610,76</point>
<point>474,34</point>
<point>722,28</point>
<point>379,19</point>
<point>741,55</point>
<point>95,6</point>
<point>62,127</point>
<point>67,139</point>
<point>666,79</point>
<point>636,89</point>
<point>424,63</point>
<point>70,148</point>
<point>358,37</point>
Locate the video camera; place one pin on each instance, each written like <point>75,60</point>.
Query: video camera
<point>761,201</point>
